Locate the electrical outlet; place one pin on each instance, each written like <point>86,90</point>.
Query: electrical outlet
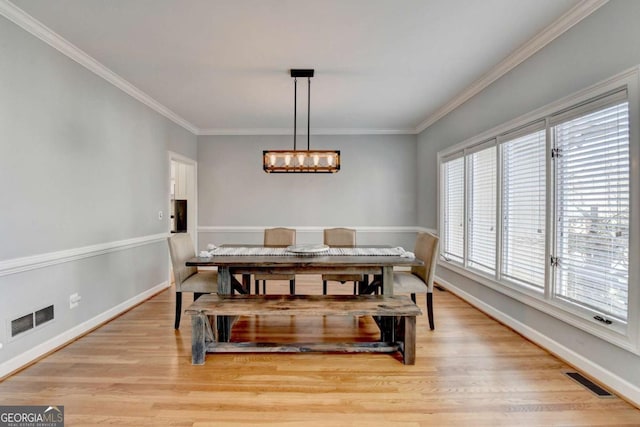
<point>74,300</point>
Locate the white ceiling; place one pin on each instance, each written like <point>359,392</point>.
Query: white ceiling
<point>222,66</point>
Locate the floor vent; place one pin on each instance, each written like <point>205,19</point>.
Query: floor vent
<point>31,320</point>
<point>588,384</point>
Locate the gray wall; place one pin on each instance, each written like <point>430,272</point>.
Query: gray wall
<point>599,47</point>
<point>376,186</point>
<point>81,163</point>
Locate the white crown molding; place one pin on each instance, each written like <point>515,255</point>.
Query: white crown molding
<point>550,33</point>
<point>618,384</point>
<point>319,131</point>
<point>546,36</point>
<point>41,31</point>
<point>31,355</point>
<point>626,77</point>
<point>18,265</point>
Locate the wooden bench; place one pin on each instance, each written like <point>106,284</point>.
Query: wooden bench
<point>395,315</point>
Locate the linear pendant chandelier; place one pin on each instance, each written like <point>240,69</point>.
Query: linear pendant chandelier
<point>301,161</point>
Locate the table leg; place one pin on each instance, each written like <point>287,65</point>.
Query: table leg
<point>224,288</point>
<point>246,283</point>
<point>224,281</point>
<point>387,280</point>
<point>363,284</point>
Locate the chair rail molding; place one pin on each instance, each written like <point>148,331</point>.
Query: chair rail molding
<point>18,265</point>
<point>313,229</point>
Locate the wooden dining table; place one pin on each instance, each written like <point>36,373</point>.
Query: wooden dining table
<point>379,267</point>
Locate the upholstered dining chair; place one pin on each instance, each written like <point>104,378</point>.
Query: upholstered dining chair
<point>340,238</point>
<point>188,279</point>
<point>278,237</point>
<point>420,279</point>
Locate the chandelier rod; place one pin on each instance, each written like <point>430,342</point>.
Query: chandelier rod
<point>308,111</point>
<point>295,110</point>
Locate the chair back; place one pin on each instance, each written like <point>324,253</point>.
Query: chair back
<point>181,250</point>
<point>340,237</point>
<point>279,237</point>
<point>426,250</point>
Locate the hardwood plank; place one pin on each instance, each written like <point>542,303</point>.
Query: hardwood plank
<point>470,371</point>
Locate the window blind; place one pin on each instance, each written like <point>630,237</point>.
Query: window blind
<point>592,208</point>
<point>523,209</point>
<point>453,209</point>
<point>482,209</point>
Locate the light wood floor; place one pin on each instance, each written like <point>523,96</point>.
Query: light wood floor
<point>471,371</point>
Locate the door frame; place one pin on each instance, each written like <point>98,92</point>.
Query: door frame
<point>175,157</point>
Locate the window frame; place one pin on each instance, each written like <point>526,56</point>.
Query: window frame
<point>625,336</point>
<point>492,143</point>
<point>441,213</point>
<point>507,137</point>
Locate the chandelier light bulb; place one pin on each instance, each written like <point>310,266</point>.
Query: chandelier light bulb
<point>301,159</point>
<point>316,160</point>
<point>287,159</point>
<point>329,160</point>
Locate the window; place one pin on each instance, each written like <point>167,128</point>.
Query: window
<point>453,203</point>
<point>523,209</point>
<point>482,209</point>
<point>542,209</point>
<point>592,210</point>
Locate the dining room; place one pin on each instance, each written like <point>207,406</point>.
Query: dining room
<point>393,120</point>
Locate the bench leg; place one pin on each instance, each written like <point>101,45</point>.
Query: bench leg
<point>198,344</point>
<point>409,340</point>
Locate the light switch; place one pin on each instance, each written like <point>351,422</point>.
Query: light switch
<point>160,215</point>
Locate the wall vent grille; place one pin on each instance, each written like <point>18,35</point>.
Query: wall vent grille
<point>21,324</point>
<point>29,321</point>
<point>44,315</point>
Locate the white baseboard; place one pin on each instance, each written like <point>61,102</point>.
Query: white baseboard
<point>38,351</point>
<point>618,385</point>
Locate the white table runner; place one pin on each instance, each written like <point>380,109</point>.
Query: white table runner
<point>249,251</point>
